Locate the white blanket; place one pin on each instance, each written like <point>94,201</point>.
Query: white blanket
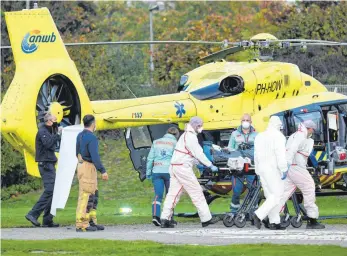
<point>67,163</point>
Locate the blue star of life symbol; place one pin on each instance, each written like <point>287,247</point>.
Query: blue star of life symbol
<point>163,153</point>
<point>180,109</point>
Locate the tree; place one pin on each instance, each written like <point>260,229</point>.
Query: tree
<point>328,64</point>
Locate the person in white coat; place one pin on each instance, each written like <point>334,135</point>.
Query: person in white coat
<point>299,148</point>
<point>271,166</point>
<point>182,178</point>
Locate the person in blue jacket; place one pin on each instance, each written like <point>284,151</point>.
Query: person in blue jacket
<point>244,134</point>
<point>158,163</point>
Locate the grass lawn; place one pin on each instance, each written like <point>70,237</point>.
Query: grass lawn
<point>106,247</point>
<point>125,190</point>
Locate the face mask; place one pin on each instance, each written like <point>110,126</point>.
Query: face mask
<point>245,125</point>
<point>200,129</point>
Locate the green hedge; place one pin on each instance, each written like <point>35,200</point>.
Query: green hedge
<point>18,189</point>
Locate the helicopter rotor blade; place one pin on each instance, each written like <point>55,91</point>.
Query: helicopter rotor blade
<point>141,43</point>
<point>222,54</point>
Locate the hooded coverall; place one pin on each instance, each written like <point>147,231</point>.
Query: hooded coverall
<point>187,152</point>
<point>270,164</point>
<point>158,163</point>
<point>236,138</point>
<point>299,147</point>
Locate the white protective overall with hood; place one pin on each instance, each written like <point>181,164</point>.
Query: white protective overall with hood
<point>299,148</point>
<point>270,164</point>
<point>182,178</point>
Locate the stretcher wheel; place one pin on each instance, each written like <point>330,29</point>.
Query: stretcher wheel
<point>285,223</point>
<point>240,220</point>
<point>296,222</point>
<point>228,220</point>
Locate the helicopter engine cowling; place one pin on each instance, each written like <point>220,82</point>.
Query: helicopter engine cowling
<point>232,85</point>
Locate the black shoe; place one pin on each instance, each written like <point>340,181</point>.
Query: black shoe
<point>50,225</point>
<point>274,226</point>
<point>257,221</point>
<point>33,220</point>
<point>156,221</point>
<point>213,220</point>
<point>314,224</point>
<point>174,222</point>
<point>98,227</point>
<point>266,222</point>
<point>167,224</point>
<point>87,229</point>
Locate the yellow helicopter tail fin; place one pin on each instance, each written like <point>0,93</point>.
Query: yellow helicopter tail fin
<point>31,165</point>
<point>34,35</point>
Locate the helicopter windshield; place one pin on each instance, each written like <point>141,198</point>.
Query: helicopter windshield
<point>315,117</point>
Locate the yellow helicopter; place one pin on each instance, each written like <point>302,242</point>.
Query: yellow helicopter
<point>46,79</point>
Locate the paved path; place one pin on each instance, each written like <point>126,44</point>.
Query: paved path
<point>190,234</point>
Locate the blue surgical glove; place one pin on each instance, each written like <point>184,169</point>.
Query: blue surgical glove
<point>148,177</point>
<point>214,168</point>
<point>284,175</point>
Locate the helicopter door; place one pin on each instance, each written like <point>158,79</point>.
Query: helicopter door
<point>139,142</point>
<point>333,127</point>
<point>336,151</point>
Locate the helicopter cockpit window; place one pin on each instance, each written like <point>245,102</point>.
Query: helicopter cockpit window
<point>315,117</point>
<point>140,137</point>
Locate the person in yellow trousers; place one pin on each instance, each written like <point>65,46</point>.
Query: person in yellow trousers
<point>88,164</point>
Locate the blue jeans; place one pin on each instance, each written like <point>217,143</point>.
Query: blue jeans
<point>237,184</point>
<point>160,181</point>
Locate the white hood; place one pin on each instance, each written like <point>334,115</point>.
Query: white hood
<point>275,123</point>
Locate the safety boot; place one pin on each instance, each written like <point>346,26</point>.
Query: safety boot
<point>98,227</point>
<point>156,221</point>
<point>87,229</point>
<point>314,224</point>
<point>167,224</point>
<point>274,226</point>
<point>213,220</point>
<point>33,220</point>
<point>50,225</point>
<point>266,222</point>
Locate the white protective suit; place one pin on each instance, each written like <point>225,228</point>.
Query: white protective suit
<point>299,148</point>
<point>270,164</point>
<point>187,152</point>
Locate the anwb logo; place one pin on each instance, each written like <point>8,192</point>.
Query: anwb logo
<point>31,40</point>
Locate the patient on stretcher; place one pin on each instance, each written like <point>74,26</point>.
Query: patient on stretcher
<point>225,158</point>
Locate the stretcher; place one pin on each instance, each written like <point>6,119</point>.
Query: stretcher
<point>297,199</point>
<point>237,164</point>
<point>227,169</point>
